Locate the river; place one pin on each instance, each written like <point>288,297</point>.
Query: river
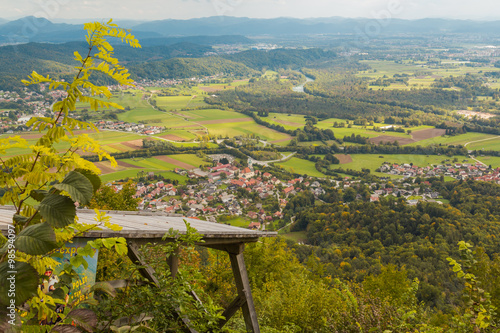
<point>300,88</point>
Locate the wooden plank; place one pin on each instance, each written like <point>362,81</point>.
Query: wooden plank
<point>229,312</point>
<point>243,286</point>
<point>136,256</point>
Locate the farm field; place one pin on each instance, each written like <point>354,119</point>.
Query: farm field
<point>212,115</point>
<point>177,103</point>
<point>159,164</point>
<point>494,161</point>
<point>300,166</point>
<point>453,140</point>
<point>132,173</point>
<point>294,121</point>
<point>492,144</point>
<point>245,128</point>
<point>379,68</point>
<point>110,141</point>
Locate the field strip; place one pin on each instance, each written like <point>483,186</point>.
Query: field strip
<point>173,161</point>
<point>222,121</point>
<point>496,137</point>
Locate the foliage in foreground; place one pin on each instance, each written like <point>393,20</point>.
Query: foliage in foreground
<point>45,187</point>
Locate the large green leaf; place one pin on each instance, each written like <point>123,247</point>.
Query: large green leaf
<point>20,280</point>
<point>38,195</point>
<point>58,210</point>
<point>77,186</point>
<point>36,239</point>
<point>92,177</point>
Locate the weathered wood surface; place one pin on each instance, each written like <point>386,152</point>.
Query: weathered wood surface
<point>150,227</point>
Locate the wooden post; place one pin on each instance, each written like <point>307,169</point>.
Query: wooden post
<point>173,262</point>
<point>136,256</point>
<point>243,286</point>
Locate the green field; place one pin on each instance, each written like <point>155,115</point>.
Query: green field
<point>245,128</point>
<point>453,140</point>
<point>300,166</point>
<point>153,164</point>
<point>297,236</point>
<point>239,221</point>
<point>494,161</point>
<point>493,144</point>
<point>211,114</point>
<point>380,68</point>
<point>132,173</point>
<point>294,121</point>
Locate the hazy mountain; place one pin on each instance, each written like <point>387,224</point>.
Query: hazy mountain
<point>2,21</point>
<point>201,40</point>
<point>33,29</point>
<point>278,26</point>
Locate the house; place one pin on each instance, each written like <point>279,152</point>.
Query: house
<point>252,215</point>
<point>254,225</point>
<point>247,173</point>
<point>288,190</point>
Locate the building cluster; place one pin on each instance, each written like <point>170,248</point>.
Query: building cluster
<point>223,190</point>
<point>460,171</point>
<point>129,127</point>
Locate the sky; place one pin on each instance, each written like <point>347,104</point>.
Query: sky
<point>82,10</point>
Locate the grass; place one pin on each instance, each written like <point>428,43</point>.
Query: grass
<point>494,161</point>
<point>493,144</point>
<point>132,173</point>
<point>212,114</point>
<point>245,128</point>
<point>294,121</point>
<point>453,140</point>
<point>239,221</point>
<point>189,159</point>
<point>300,166</point>
<point>297,236</point>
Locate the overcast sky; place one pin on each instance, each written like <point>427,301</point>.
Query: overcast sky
<point>185,9</point>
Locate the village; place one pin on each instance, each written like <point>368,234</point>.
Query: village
<point>222,192</point>
<point>226,191</point>
<point>459,171</point>
<point>128,127</point>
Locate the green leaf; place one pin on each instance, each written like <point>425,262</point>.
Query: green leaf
<point>38,195</point>
<point>78,260</point>
<point>57,210</point>
<point>121,249</point>
<point>36,239</point>
<point>20,275</point>
<point>92,177</point>
<point>77,186</point>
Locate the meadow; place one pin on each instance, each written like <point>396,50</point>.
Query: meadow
<point>300,166</point>
<point>454,140</point>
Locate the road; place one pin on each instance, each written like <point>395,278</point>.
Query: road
<point>266,163</point>
<point>478,161</point>
<point>496,137</point>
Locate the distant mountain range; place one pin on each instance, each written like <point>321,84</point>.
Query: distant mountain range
<point>286,26</point>
<point>30,29</point>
